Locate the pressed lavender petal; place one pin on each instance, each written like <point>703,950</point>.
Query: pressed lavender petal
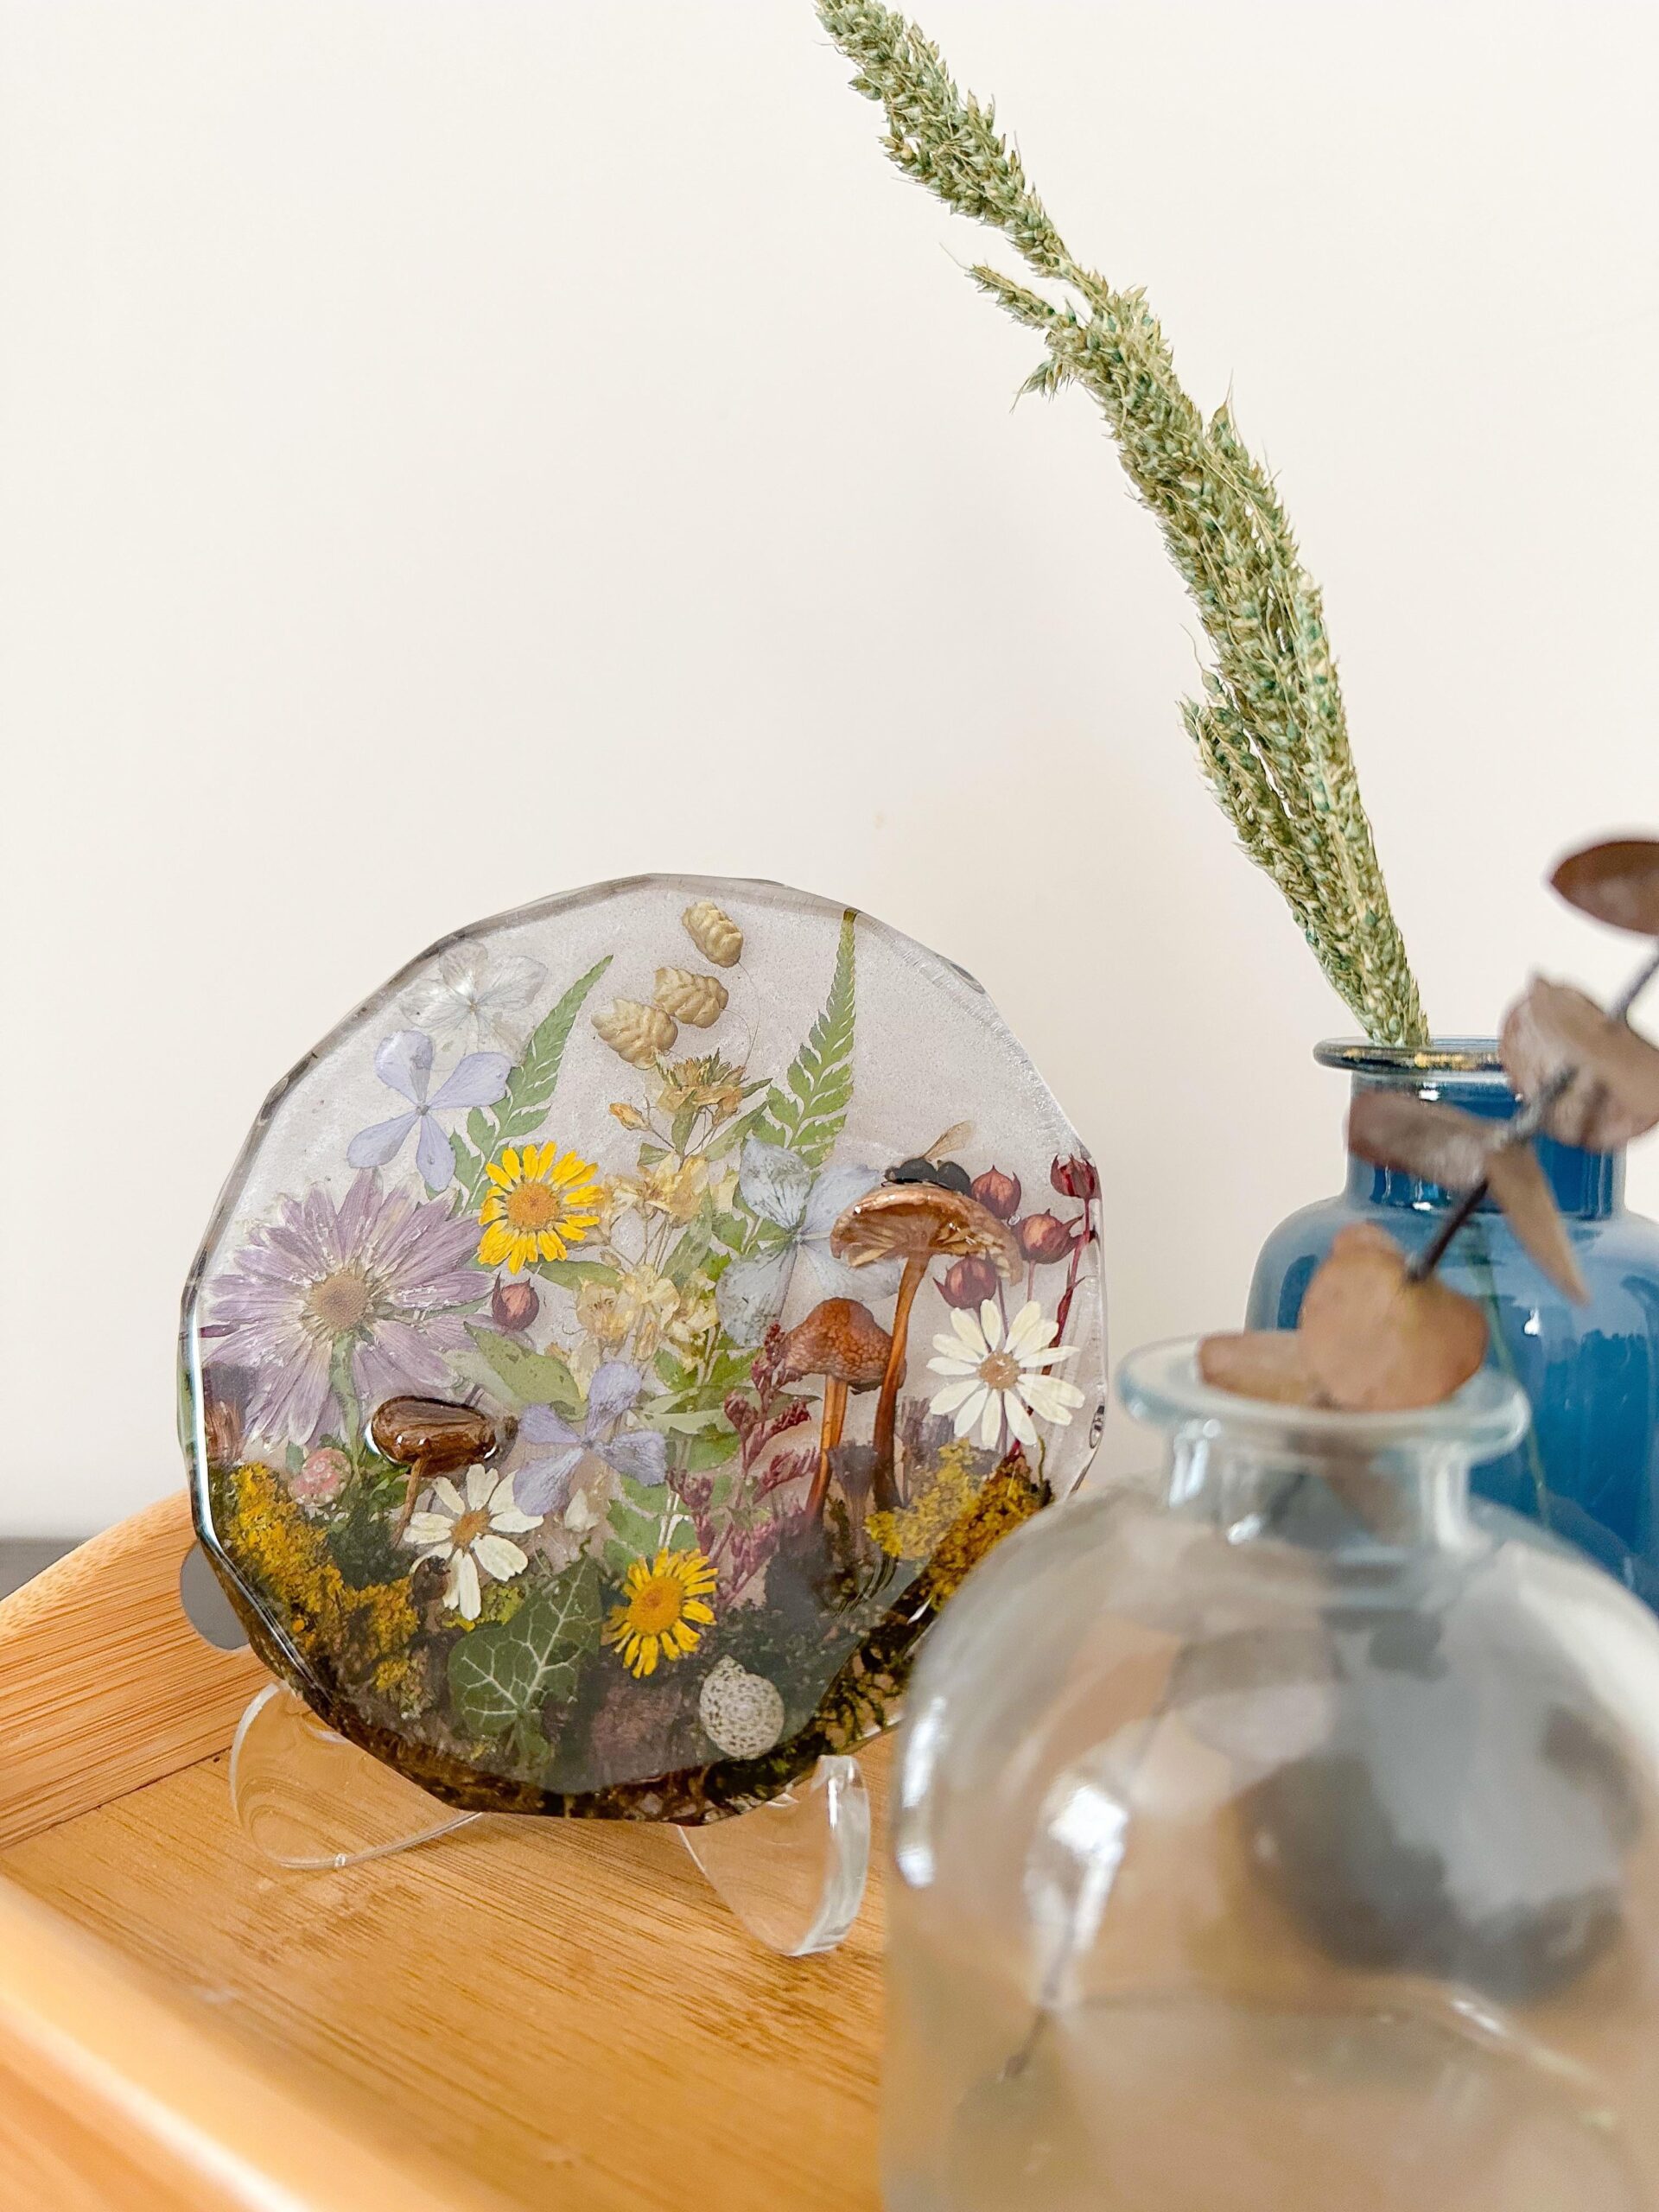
<point>479,1080</point>
<point>433,1156</point>
<point>544,1486</point>
<point>642,1455</point>
<point>542,1424</point>
<point>374,1147</point>
<point>615,1388</point>
<point>403,1063</point>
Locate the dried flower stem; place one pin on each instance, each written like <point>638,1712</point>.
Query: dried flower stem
<point>1525,1125</point>
<point>1270,732</point>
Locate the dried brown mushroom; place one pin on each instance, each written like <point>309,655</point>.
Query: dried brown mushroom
<point>430,1437</point>
<point>916,1222</point>
<point>1616,881</point>
<point>841,1340</point>
<point>1375,1340</point>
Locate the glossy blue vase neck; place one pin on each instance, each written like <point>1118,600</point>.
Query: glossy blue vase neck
<point>1587,1186</point>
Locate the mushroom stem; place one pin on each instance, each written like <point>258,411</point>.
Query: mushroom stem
<point>418,1476</point>
<point>835,1417</point>
<point>886,1491</point>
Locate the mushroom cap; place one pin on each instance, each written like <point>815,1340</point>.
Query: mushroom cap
<point>840,1338</point>
<point>916,1221</point>
<point>431,1433</point>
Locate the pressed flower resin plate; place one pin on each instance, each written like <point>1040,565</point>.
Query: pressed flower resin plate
<point>624,1331</point>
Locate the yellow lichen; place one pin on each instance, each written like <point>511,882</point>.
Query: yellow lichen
<point>364,1633</point>
<point>1006,1499</point>
<point>914,1531</point>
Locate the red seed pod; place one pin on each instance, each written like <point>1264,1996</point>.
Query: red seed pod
<point>1043,1238</point>
<point>1075,1178</point>
<point>514,1306</point>
<point>969,1283</point>
<point>997,1193</point>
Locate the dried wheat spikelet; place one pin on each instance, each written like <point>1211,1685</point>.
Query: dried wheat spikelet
<point>637,1034</point>
<point>700,1000</point>
<point>1270,732</point>
<point>716,936</point>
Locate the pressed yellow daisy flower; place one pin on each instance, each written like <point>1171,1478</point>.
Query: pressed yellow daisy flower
<point>542,1202</point>
<point>662,1598</point>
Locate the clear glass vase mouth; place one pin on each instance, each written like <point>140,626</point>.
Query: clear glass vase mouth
<point>1462,1056</point>
<point>1161,1384</point>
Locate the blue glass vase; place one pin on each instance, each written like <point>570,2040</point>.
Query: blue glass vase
<point>1590,1468</point>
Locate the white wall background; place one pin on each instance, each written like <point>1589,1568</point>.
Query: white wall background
<point>451,449</point>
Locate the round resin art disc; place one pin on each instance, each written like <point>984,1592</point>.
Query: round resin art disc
<point>621,1336</point>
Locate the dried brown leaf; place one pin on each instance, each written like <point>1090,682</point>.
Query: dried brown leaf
<point>1265,1364</point>
<point>1521,1188</point>
<point>1375,1341</point>
<point>1437,1143</point>
<point>1617,882</point>
<point>1616,1096</point>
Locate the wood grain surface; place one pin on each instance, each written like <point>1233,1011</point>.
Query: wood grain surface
<point>562,2014</point>
<point>103,1684</point>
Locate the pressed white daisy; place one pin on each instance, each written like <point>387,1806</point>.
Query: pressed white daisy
<point>995,1377</point>
<point>470,1535</point>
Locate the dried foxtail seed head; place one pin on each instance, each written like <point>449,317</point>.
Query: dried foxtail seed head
<point>715,935</point>
<point>700,1000</point>
<point>637,1033</point>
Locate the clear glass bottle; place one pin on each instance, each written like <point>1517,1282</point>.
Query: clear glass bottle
<point>1285,1837</point>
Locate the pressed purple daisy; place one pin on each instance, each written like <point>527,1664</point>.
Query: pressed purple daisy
<point>381,1273</point>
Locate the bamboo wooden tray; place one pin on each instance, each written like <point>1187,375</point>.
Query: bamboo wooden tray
<point>548,2016</point>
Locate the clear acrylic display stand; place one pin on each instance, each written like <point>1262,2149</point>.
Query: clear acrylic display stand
<point>793,1872</point>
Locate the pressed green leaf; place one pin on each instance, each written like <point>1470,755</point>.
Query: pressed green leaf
<point>820,1079</point>
<point>520,1110</point>
<point>571,1274</point>
<point>710,1451</point>
<point>638,1530</point>
<point>534,1378</point>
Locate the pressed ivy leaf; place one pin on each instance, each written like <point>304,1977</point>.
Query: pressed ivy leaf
<point>1521,1188</point>
<point>1267,1363</point>
<point>1615,1095</point>
<point>1377,1342</point>
<point>1439,1144</point>
<point>1616,882</point>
